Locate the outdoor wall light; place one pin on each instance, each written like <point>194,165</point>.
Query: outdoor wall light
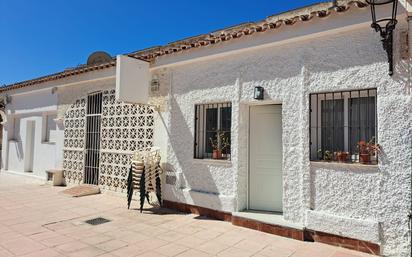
<point>154,85</point>
<point>258,93</point>
<point>385,26</point>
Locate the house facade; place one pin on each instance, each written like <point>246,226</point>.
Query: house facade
<point>307,151</point>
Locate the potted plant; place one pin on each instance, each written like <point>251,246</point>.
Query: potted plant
<point>367,149</point>
<point>219,144</point>
<point>342,156</point>
<point>325,155</point>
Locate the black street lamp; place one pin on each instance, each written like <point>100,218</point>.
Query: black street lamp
<point>385,26</point>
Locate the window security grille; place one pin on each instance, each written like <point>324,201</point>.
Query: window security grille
<point>93,125</point>
<point>339,121</point>
<point>213,124</point>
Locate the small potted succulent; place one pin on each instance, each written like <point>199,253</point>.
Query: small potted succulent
<point>325,155</point>
<point>219,144</point>
<point>367,149</point>
<point>342,156</point>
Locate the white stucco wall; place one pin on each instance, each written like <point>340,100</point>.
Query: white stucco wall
<point>205,183</point>
<point>23,108</point>
<point>376,200</point>
<point>32,104</point>
<point>46,156</point>
<point>290,63</point>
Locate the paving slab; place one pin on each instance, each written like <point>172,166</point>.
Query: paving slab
<point>37,220</point>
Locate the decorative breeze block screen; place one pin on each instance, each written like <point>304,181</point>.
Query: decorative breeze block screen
<point>74,141</point>
<point>125,128</point>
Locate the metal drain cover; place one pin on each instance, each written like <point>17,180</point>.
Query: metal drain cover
<point>97,221</point>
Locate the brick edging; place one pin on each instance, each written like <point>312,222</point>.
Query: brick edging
<point>345,242</point>
<point>297,234</point>
<point>187,208</point>
<point>293,233</point>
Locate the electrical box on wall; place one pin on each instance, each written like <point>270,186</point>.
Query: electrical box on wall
<point>132,80</point>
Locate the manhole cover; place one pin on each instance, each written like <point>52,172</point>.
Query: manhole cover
<point>97,221</point>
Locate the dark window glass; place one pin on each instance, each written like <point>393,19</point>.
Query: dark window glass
<point>211,128</point>
<point>211,119</point>
<point>213,122</point>
<point>210,136</point>
<point>226,118</point>
<point>362,119</point>
<point>339,121</point>
<point>332,120</point>
<point>226,136</point>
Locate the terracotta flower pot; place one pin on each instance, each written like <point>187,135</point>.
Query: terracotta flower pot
<point>364,158</point>
<point>342,156</point>
<point>217,154</point>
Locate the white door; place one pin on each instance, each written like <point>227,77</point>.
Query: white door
<point>265,158</point>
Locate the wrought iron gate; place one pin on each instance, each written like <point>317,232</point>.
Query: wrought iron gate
<point>93,125</point>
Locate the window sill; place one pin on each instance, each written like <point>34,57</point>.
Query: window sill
<point>215,162</point>
<point>48,143</point>
<point>345,166</point>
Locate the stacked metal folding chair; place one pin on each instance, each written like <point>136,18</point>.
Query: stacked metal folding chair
<point>144,176</point>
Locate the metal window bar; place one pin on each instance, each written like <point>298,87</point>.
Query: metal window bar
<point>210,121</point>
<point>333,123</point>
<point>93,127</point>
<point>359,119</point>
<point>350,127</point>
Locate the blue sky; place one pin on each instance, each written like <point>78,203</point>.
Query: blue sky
<point>39,37</point>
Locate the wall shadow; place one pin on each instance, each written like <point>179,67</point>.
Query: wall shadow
<point>197,178</point>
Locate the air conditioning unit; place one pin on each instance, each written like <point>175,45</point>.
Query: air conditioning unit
<point>132,80</point>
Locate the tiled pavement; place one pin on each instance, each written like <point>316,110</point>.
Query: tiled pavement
<point>37,220</point>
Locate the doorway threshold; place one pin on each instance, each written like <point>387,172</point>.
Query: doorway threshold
<point>271,218</point>
<point>82,190</point>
